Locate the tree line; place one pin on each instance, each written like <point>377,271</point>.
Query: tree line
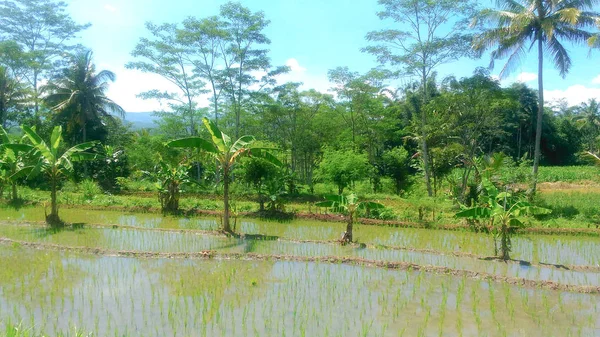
<point>363,128</point>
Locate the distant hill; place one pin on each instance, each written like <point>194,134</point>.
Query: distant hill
<point>141,120</point>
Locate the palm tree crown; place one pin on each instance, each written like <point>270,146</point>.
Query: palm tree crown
<point>79,96</point>
<point>520,25</point>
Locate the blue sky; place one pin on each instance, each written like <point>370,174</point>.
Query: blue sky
<point>312,36</point>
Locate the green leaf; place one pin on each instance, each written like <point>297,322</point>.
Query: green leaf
<point>336,198</point>
<point>475,213</point>
<point>503,195</point>
<point>194,143</point>
<point>371,205</point>
<point>4,136</point>
<point>515,222</point>
<point>85,156</point>
<point>242,143</point>
<point>220,139</point>
<point>39,144</point>
<point>77,149</point>
<point>55,139</point>
<point>266,155</point>
<point>17,147</point>
<point>327,204</point>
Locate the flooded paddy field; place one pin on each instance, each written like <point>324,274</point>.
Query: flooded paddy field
<point>270,281</point>
<point>160,297</point>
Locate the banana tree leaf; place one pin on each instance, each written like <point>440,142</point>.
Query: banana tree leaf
<point>526,208</point>
<point>370,205</point>
<point>78,149</point>
<point>39,144</point>
<point>17,147</point>
<point>475,212</point>
<point>241,143</point>
<point>327,204</point>
<point>220,139</point>
<point>503,195</point>
<point>4,136</point>
<point>194,143</point>
<point>55,139</point>
<point>515,222</point>
<point>85,156</point>
<point>336,198</point>
<point>266,155</point>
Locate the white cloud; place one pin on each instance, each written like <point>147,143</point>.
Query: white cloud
<point>525,77</point>
<point>596,80</point>
<point>573,95</point>
<point>110,8</point>
<point>301,74</point>
<point>295,66</point>
<point>130,83</point>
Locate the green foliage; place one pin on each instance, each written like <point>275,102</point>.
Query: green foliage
<point>344,167</point>
<point>349,205</point>
<point>170,180</point>
<point>52,161</point>
<point>90,189</point>
<point>503,212</point>
<point>397,165</point>
<point>227,153</point>
<point>78,97</point>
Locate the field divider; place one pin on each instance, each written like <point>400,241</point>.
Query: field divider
<point>583,268</point>
<point>395,265</point>
<point>329,217</point>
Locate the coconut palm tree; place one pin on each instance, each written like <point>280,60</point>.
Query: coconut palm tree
<point>226,152</point>
<point>518,26</point>
<point>79,96</point>
<point>588,120</point>
<point>12,94</point>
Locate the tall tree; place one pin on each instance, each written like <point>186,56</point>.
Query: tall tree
<point>430,33</point>
<point>242,54</point>
<point>588,119</point>
<point>43,30</point>
<point>79,96</point>
<point>166,55</point>
<point>205,37</point>
<point>520,25</point>
<point>12,95</point>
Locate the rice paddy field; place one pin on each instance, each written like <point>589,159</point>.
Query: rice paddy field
<point>133,274</point>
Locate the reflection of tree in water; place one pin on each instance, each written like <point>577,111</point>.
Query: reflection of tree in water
<point>31,278</point>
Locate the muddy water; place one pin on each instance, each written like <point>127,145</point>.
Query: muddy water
<point>555,249</point>
<point>116,296</point>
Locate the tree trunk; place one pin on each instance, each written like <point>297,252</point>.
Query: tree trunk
<point>347,238</point>
<point>540,114</point>
<point>53,219</point>
<point>15,196</point>
<point>505,242</point>
<point>424,147</point>
<point>226,226</point>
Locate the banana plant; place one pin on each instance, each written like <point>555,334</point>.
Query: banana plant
<point>11,161</point>
<point>227,153</point>
<point>503,213</point>
<point>50,161</point>
<point>170,179</point>
<point>349,205</point>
